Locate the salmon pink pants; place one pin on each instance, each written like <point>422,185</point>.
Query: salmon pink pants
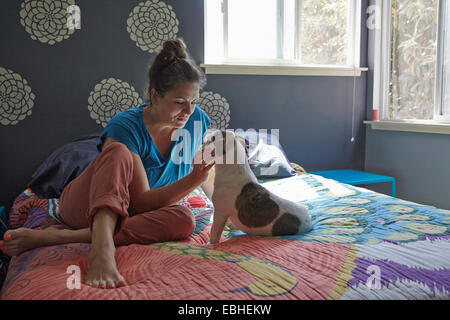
<point>104,183</point>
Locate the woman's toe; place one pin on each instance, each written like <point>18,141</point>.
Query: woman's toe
<point>94,284</point>
<point>121,283</point>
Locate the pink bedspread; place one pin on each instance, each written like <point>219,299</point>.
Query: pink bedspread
<point>239,268</point>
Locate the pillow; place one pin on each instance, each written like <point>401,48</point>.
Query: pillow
<point>64,165</point>
<point>266,157</point>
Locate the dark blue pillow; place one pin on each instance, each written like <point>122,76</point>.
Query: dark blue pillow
<point>64,165</point>
<point>266,157</point>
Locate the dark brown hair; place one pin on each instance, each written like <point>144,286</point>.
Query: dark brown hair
<point>172,66</point>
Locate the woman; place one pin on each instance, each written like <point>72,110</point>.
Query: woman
<point>126,194</point>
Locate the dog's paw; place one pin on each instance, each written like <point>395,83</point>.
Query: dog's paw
<point>213,241</point>
<point>230,225</point>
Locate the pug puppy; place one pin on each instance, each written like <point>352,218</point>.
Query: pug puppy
<point>240,198</point>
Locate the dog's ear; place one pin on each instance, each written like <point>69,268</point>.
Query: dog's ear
<point>224,141</point>
<point>244,143</point>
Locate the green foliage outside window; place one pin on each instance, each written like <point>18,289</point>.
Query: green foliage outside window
<point>413,59</point>
<point>324,32</point>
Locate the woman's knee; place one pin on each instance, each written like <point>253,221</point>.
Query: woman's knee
<point>119,150</point>
<point>185,225</point>
<point>114,159</point>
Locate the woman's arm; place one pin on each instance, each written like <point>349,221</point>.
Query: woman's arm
<point>153,199</point>
<point>144,199</point>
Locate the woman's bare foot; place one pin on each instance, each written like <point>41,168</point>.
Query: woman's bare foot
<point>20,240</point>
<point>103,271</point>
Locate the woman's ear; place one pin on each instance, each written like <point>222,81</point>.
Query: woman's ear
<point>153,96</point>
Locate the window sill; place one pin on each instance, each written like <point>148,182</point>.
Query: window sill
<point>411,126</point>
<point>284,70</point>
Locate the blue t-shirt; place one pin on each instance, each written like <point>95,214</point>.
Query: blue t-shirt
<point>129,128</point>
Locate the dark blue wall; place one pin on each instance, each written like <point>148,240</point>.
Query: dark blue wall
<point>314,114</point>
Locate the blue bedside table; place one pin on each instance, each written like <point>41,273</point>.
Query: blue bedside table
<point>355,177</point>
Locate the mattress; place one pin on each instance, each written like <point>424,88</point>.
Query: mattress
<point>364,245</point>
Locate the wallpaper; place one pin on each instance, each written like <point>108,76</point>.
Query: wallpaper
<point>149,25</point>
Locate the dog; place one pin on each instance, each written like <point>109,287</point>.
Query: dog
<point>238,196</point>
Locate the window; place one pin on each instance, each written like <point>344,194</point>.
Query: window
<point>312,33</point>
<point>412,64</point>
<point>443,103</point>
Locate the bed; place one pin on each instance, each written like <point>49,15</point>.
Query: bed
<point>364,245</point>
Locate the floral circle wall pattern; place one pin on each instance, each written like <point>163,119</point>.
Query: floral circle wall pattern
<point>217,109</point>
<point>16,98</point>
<point>46,20</point>
<point>110,97</point>
<point>151,23</point>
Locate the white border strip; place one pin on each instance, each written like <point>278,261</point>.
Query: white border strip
<point>411,126</point>
<point>282,70</point>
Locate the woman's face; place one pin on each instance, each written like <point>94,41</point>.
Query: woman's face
<point>177,105</point>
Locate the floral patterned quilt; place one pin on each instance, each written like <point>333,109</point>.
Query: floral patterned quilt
<point>364,245</point>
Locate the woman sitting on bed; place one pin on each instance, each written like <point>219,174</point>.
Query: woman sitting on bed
<point>127,194</point>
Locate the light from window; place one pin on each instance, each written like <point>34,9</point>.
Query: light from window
<point>293,32</point>
<point>252,29</point>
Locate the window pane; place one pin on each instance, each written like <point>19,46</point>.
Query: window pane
<point>324,32</point>
<point>214,32</point>
<point>446,62</point>
<point>413,60</point>
<point>289,30</point>
<point>252,29</point>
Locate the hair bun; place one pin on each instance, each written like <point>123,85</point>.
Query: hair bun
<point>173,49</point>
<point>173,65</point>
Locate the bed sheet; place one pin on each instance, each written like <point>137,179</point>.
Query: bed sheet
<point>364,245</point>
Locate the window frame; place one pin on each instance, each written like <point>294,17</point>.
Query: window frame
<point>285,66</point>
<point>382,70</point>
<point>440,90</point>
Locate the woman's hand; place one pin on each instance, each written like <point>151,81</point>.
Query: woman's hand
<point>202,166</point>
